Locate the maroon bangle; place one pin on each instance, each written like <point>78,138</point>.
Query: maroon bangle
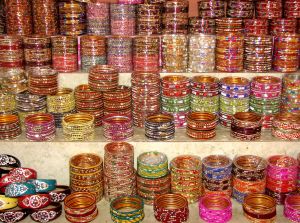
<point>36,201</point>
<point>60,193</point>
<point>260,216</point>
<point>13,215</point>
<point>27,173</point>
<point>47,214</point>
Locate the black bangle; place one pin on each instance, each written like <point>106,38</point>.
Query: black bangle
<point>8,162</point>
<point>60,193</point>
<point>13,215</point>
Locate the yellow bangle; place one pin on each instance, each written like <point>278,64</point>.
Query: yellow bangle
<point>7,202</point>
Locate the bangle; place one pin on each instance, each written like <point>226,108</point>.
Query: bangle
<point>43,185</point>
<point>36,201</point>
<point>291,211</point>
<point>19,189</point>
<point>199,25</point>
<point>47,214</point>
<point>8,162</point>
<point>152,165</point>
<point>63,101</point>
<point>186,177</point>
<point>13,215</point>
<point>10,127</point>
<point>60,193</point>
<point>17,175</point>
<point>119,206</point>
<point>214,208</point>
<point>286,126</point>
<point>171,208</point>
<point>7,202</point>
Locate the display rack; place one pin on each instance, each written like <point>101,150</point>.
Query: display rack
<point>51,159</point>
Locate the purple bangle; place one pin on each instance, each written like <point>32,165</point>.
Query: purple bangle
<point>291,208</point>
<point>215,208</point>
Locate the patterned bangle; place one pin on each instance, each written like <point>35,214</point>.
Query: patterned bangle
<point>8,162</point>
<point>36,201</point>
<point>43,185</point>
<point>47,214</point>
<point>13,215</point>
<point>7,202</point>
<point>60,193</point>
<point>19,189</point>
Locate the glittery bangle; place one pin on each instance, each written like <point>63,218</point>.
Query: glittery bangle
<point>63,101</point>
<point>97,14</point>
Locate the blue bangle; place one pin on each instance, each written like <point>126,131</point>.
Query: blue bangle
<point>19,189</point>
<point>43,185</point>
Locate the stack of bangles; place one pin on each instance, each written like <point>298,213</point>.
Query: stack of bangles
<point>268,9</point>
<point>229,25</point>
<point>89,101</point>
<point>205,94</point>
<point>7,103</point>
<point>160,127</point>
<point>153,177</point>
<point>119,172</point>
<point>291,208</point>
<point>40,127</point>
<point>145,88</point>
<point>171,208</point>
<point>215,208</point>
<point>282,173</point>
<point>10,127</point>
<point>290,93</point>
<point>61,104</point>
<point>80,207</point>
<point>265,98</point>
<point>249,176</point>
<point>118,101</point>
<point>246,126</point>
<point>234,98</point>
<point>175,98</point>
<point>240,9</point>
<point>148,19</point>
<point>202,25</point>
<point>298,183</point>
<point>78,127</point>
<point>291,9</point>
<point>211,8</point>
<point>186,179</point>
<point>256,26</point>
<point>216,175</point>
<point>97,15</point>
<point>42,81</point>
<point>117,127</point>
<point>286,126</point>
<point>283,25</point>
<point>86,174</point>
<point>127,209</point>
<point>103,78</point>
<point>13,80</point>
<point>201,125</point>
<point>259,208</point>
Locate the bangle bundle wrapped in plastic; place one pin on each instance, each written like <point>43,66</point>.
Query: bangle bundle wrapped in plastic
<point>234,98</point>
<point>10,127</point>
<point>256,26</point>
<point>160,127</point>
<point>148,19</point>
<point>175,98</point>
<point>89,101</point>
<point>281,177</point>
<point>286,126</point>
<point>290,93</point>
<point>153,177</point>
<point>119,53</point>
<point>13,80</point>
<point>174,53</point>
<point>230,52</point>
<point>214,208</point>
<point>240,9</point>
<point>119,173</point>
<point>11,52</point>
<point>249,176</point>
<point>202,25</point>
<point>92,51</point>
<point>211,8</point>
<point>216,175</point>
<point>64,53</point>
<point>202,53</point>
<point>145,96</point>
<point>186,177</point>
<point>265,98</point>
<point>268,9</point>
<point>86,175</point>
<point>7,103</point>
<point>259,208</point>
<point>205,94</point>
<point>97,15</point>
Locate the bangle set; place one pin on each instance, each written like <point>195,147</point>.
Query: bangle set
<point>269,9</point>
<point>249,176</point>
<point>7,102</point>
<point>160,127</point>
<point>149,18</point>
<point>257,26</point>
<point>10,127</point>
<point>199,25</point>
<point>13,80</point>
<point>205,94</point>
<point>97,17</point>
<point>240,9</point>
<point>119,172</point>
<point>290,93</point>
<point>86,175</point>
<point>229,25</point>
<point>201,125</point>
<point>171,208</point>
<point>281,177</point>
<point>280,26</point>
<point>216,175</point>
<point>145,89</point>
<point>127,209</point>
<point>186,177</point>
<point>286,126</point>
<point>291,210</point>
<point>211,9</point>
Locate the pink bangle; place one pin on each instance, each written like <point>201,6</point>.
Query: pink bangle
<point>215,208</point>
<point>291,208</point>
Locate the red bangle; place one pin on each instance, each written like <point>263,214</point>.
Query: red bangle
<point>36,201</point>
<point>27,173</point>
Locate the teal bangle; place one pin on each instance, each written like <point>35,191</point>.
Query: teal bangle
<point>19,189</point>
<point>43,185</point>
